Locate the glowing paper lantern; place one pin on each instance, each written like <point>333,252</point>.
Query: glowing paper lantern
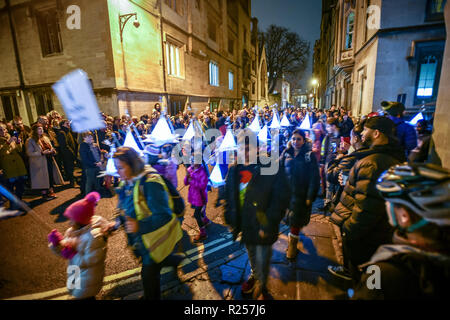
<point>228,143</point>
<point>416,119</point>
<point>111,168</point>
<point>285,122</point>
<point>275,122</point>
<point>130,142</point>
<point>255,127</point>
<point>262,136</point>
<point>306,124</point>
<point>161,134</point>
<point>189,132</point>
<point>216,177</point>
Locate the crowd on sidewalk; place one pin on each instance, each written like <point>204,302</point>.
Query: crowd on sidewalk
<point>373,172</point>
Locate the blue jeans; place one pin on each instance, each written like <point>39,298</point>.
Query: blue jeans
<point>259,257</point>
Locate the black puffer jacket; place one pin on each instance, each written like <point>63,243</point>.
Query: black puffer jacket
<point>265,204</point>
<point>304,179</point>
<point>360,200</point>
<point>343,165</point>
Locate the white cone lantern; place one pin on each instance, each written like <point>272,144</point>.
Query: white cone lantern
<point>275,122</point>
<point>228,143</point>
<point>262,136</point>
<point>189,132</point>
<point>111,168</point>
<point>306,124</point>
<point>255,126</point>
<point>161,134</point>
<point>216,177</point>
<point>131,142</point>
<point>285,122</point>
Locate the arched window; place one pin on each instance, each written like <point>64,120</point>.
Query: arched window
<point>349,31</point>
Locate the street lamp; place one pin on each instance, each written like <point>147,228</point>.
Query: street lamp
<point>123,19</point>
<point>315,84</point>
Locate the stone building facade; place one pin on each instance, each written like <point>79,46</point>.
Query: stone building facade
<point>180,53</point>
<point>384,50</point>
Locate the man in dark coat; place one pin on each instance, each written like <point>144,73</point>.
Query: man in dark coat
<point>303,175</point>
<point>367,226</point>
<point>346,126</point>
<point>67,148</point>
<point>255,203</point>
<point>330,148</point>
<point>406,134</point>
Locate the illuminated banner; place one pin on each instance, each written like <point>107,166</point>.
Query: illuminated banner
<point>75,93</point>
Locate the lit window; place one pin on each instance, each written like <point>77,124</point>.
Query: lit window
<point>350,30</point>
<point>427,76</point>
<point>174,60</point>
<point>435,10</point>
<point>230,80</point>
<point>213,74</point>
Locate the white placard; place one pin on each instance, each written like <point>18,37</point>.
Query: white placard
<point>75,93</point>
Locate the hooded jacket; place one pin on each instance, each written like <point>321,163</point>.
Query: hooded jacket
<point>197,182</point>
<point>265,203</point>
<point>406,134</point>
<point>360,200</point>
<point>303,176</point>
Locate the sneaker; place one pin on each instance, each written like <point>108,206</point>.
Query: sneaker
<point>339,272</point>
<point>249,285</point>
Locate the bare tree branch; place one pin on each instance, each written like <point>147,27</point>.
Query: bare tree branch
<point>286,54</point>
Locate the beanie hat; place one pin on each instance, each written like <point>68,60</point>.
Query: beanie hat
<point>382,124</point>
<point>82,211</point>
<point>393,108</point>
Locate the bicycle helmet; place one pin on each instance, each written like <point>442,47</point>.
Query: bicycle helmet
<point>423,188</point>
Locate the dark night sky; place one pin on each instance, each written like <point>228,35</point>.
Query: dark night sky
<point>301,16</point>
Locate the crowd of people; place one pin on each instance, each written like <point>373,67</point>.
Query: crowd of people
<point>370,172</point>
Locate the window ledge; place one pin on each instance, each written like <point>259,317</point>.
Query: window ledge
<point>177,77</point>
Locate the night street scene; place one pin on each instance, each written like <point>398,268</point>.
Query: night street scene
<point>227,156</point>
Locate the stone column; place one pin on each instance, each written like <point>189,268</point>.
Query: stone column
<point>441,134</point>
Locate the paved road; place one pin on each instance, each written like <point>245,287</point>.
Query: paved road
<point>213,269</point>
<point>28,267</point>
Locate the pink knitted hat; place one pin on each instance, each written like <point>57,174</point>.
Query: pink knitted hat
<point>82,211</point>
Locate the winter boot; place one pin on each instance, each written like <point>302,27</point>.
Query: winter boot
<point>291,251</point>
<point>201,236</point>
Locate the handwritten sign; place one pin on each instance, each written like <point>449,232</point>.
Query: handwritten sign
<point>75,93</point>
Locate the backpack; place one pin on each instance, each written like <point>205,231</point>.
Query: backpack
<point>178,201</point>
<point>178,205</point>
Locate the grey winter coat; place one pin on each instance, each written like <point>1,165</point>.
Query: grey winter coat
<point>90,258</point>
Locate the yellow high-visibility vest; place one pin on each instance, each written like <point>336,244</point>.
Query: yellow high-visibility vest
<point>161,242</point>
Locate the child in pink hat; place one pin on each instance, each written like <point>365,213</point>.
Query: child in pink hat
<point>84,245</point>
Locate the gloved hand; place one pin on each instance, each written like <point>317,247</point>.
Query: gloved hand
<point>55,237</point>
<point>68,252</point>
